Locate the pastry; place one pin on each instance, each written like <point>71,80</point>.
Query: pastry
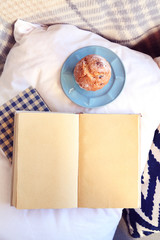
<point>92,72</point>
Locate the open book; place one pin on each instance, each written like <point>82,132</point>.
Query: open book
<point>76,160</point>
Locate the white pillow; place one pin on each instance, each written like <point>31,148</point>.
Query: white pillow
<point>44,224</point>
<point>36,59</point>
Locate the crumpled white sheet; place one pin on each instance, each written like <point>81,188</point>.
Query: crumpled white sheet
<point>36,59</point>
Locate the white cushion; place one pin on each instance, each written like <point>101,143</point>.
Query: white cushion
<point>36,59</point>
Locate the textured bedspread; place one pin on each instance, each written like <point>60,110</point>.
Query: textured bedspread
<point>132,23</point>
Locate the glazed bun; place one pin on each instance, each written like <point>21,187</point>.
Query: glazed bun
<point>92,72</point>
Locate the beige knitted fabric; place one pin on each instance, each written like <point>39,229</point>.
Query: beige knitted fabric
<point>132,23</point>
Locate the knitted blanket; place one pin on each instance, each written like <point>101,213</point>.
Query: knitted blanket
<point>131,23</point>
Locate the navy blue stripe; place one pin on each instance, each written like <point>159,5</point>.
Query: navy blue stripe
<point>147,204</point>
<point>156,139</point>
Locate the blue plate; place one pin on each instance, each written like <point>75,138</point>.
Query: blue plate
<point>102,96</point>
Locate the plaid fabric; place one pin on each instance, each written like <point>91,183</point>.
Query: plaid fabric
<point>132,23</point>
<point>28,100</point>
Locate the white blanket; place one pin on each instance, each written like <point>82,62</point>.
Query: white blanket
<point>36,60</point>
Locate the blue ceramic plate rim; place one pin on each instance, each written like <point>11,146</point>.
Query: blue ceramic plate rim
<point>91,99</point>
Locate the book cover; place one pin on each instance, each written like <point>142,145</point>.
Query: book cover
<point>76,160</point>
<point>27,100</point>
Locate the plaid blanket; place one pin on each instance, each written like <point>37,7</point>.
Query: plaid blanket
<point>28,100</point>
<point>131,23</point>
